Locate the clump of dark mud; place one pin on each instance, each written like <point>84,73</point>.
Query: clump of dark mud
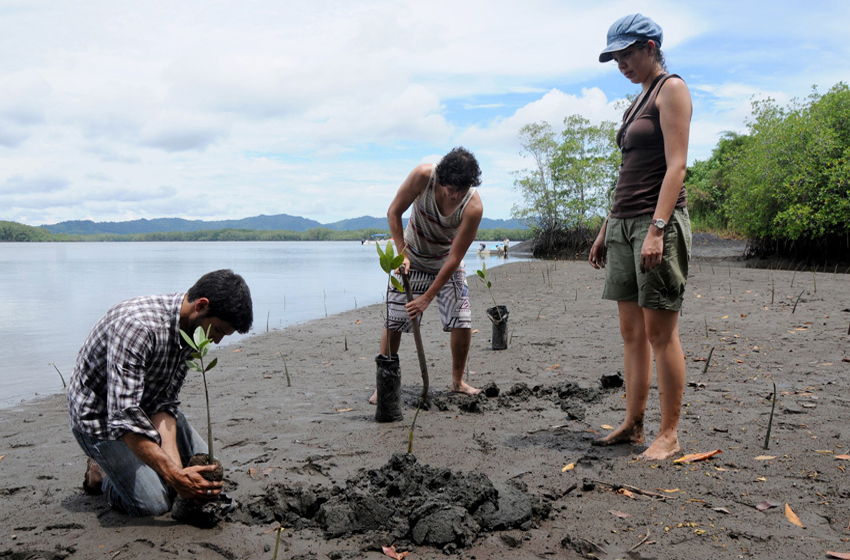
<point>402,502</point>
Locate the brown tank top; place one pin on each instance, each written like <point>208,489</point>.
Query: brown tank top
<point>644,163</point>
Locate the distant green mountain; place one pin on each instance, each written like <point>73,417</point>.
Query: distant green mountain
<point>260,223</point>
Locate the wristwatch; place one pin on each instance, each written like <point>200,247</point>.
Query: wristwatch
<point>659,223</point>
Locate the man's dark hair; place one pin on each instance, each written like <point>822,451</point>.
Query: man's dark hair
<point>230,298</point>
<point>459,169</point>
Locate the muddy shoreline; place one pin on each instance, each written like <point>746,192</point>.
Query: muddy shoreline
<point>758,326</point>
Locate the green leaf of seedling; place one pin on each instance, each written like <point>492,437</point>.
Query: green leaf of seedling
<point>199,336</point>
<point>397,262</point>
<point>390,252</point>
<point>396,284</point>
<point>488,284</point>
<point>212,364</point>
<point>380,253</point>
<point>188,339</point>
<point>195,366</point>
<point>480,273</point>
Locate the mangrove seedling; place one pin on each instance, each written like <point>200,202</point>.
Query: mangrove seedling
<point>770,422</point>
<point>285,370</point>
<point>200,343</point>
<point>389,263</point>
<point>482,275</point>
<point>62,377</point>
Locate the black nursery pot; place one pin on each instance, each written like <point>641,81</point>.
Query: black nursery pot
<point>499,316</point>
<point>388,382</point>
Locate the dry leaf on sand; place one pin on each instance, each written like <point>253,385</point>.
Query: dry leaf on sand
<point>693,457</point>
<point>792,517</point>
<point>839,555</point>
<point>392,553</point>
<point>839,457</point>
<point>764,506</point>
<point>620,514</point>
<point>569,467</point>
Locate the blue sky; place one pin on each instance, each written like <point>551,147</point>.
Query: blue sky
<point>115,110</point>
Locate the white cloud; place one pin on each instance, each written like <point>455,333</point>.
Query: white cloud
<point>320,108</point>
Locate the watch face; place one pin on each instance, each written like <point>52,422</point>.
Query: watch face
<point>659,223</point>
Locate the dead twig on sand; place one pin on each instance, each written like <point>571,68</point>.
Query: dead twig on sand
<point>634,489</point>
<point>641,543</point>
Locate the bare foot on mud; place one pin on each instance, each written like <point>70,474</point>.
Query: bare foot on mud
<point>624,435</point>
<point>93,480</point>
<point>661,449</point>
<point>374,398</point>
<point>465,388</point>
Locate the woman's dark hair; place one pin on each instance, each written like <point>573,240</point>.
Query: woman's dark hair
<point>459,169</point>
<point>230,298</point>
<point>659,56</point>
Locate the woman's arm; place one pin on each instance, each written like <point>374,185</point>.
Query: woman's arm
<point>675,109</point>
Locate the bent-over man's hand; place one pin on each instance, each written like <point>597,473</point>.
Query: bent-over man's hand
<point>191,485</point>
<point>418,306</point>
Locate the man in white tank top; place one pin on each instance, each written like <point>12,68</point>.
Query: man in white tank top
<point>443,224</point>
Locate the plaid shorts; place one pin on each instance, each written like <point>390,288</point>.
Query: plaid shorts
<point>452,299</point>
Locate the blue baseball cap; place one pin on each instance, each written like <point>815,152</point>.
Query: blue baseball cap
<point>629,30</point>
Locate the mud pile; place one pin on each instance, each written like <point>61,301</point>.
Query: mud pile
<point>402,502</point>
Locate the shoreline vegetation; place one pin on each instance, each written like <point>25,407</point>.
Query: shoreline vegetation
<point>16,232</point>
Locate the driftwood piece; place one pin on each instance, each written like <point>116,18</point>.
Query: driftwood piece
<point>420,350</point>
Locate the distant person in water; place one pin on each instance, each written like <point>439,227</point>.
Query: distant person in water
<point>122,398</point>
<point>443,224</point>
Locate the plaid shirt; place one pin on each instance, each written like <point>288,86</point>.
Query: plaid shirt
<point>131,366</point>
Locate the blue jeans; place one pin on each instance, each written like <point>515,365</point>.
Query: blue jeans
<point>130,485</point>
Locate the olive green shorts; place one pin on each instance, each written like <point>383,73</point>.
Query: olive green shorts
<point>660,288</point>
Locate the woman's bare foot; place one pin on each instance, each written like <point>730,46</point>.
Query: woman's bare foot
<point>465,388</point>
<point>374,398</point>
<point>661,449</point>
<point>631,434</point>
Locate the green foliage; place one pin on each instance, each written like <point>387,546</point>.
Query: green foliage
<point>200,343</point>
<point>792,181</point>
<point>482,275</point>
<point>390,262</point>
<point>570,184</point>
<point>572,179</point>
<point>707,183</point>
<point>13,231</point>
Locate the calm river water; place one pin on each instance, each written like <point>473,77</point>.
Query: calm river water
<point>51,294</point>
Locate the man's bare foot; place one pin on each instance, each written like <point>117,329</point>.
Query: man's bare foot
<point>465,388</point>
<point>374,398</point>
<point>93,481</point>
<point>661,449</point>
<point>624,435</point>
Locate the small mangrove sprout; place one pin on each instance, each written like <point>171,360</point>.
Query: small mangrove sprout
<point>389,263</point>
<point>200,343</point>
<point>60,374</point>
<point>770,422</point>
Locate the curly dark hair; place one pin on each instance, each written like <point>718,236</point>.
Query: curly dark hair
<point>230,298</point>
<point>459,169</point>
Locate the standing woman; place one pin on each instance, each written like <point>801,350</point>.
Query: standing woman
<point>646,240</point>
